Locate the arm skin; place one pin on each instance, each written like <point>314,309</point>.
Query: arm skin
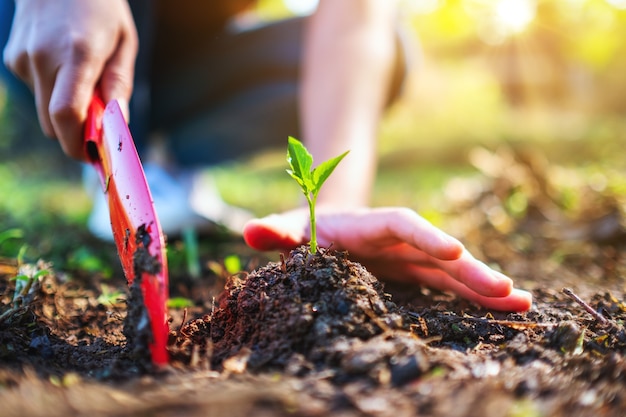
<point>349,48</point>
<point>62,49</point>
<point>348,57</point>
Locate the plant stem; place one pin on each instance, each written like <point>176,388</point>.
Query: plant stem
<point>190,239</point>
<point>313,242</point>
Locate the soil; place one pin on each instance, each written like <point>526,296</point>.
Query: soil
<point>317,335</point>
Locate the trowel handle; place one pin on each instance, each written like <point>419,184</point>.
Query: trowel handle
<point>92,133</point>
<point>93,127</point>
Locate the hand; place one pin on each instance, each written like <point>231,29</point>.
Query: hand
<point>394,243</point>
<point>61,49</point>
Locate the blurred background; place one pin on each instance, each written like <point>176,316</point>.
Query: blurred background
<point>546,77</point>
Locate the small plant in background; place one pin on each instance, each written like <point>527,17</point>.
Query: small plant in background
<point>7,235</point>
<point>25,281</point>
<point>27,278</point>
<point>109,297</point>
<point>310,180</point>
<point>179,303</point>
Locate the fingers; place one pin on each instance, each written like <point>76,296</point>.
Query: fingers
<point>30,60</point>
<point>117,76</point>
<point>42,90</point>
<point>272,233</point>
<point>518,300</point>
<point>369,232</point>
<point>512,300</point>
<point>431,239</point>
<point>465,268</point>
<point>477,276</point>
<point>70,98</point>
<point>75,85</point>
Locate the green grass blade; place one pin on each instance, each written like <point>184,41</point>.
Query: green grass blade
<point>10,234</point>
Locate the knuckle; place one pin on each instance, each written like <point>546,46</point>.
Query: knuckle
<point>16,62</point>
<point>8,57</point>
<point>40,55</point>
<point>64,111</point>
<point>81,49</point>
<point>406,213</point>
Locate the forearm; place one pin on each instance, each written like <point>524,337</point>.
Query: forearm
<point>348,62</point>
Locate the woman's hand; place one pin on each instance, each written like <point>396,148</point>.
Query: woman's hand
<point>62,49</point>
<point>394,243</point>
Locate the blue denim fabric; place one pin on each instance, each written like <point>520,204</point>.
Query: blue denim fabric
<point>232,95</point>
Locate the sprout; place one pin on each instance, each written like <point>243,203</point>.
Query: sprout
<point>310,180</point>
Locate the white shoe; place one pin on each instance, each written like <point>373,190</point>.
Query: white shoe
<point>205,200</point>
<point>192,201</point>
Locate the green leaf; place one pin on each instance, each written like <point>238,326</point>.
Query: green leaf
<point>10,234</point>
<point>300,161</point>
<point>21,277</point>
<point>232,263</point>
<point>21,254</point>
<point>22,285</point>
<point>323,170</point>
<point>179,302</point>
<point>108,297</point>
<point>297,178</point>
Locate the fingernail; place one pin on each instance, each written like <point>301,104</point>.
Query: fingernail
<point>455,247</point>
<point>125,109</point>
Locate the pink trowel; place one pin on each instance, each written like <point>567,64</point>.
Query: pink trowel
<point>140,243</point>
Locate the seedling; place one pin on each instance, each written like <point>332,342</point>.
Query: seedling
<point>109,297</point>
<point>310,180</point>
<point>26,284</point>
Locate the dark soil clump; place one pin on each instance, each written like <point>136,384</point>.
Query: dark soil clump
<point>296,312</point>
<point>137,327</point>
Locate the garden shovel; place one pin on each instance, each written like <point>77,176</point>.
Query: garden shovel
<point>140,243</point>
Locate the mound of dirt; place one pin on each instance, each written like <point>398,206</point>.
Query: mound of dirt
<point>295,313</point>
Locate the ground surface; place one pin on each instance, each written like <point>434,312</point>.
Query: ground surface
<point>318,335</point>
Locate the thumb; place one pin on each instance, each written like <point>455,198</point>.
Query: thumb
<point>274,232</point>
<point>118,74</point>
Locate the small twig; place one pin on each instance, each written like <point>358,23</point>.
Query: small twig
<point>182,322</point>
<point>599,317</point>
<point>9,313</point>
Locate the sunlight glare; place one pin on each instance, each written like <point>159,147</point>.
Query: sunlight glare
<point>619,4</point>
<point>301,7</point>
<point>420,6</point>
<point>515,15</point>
